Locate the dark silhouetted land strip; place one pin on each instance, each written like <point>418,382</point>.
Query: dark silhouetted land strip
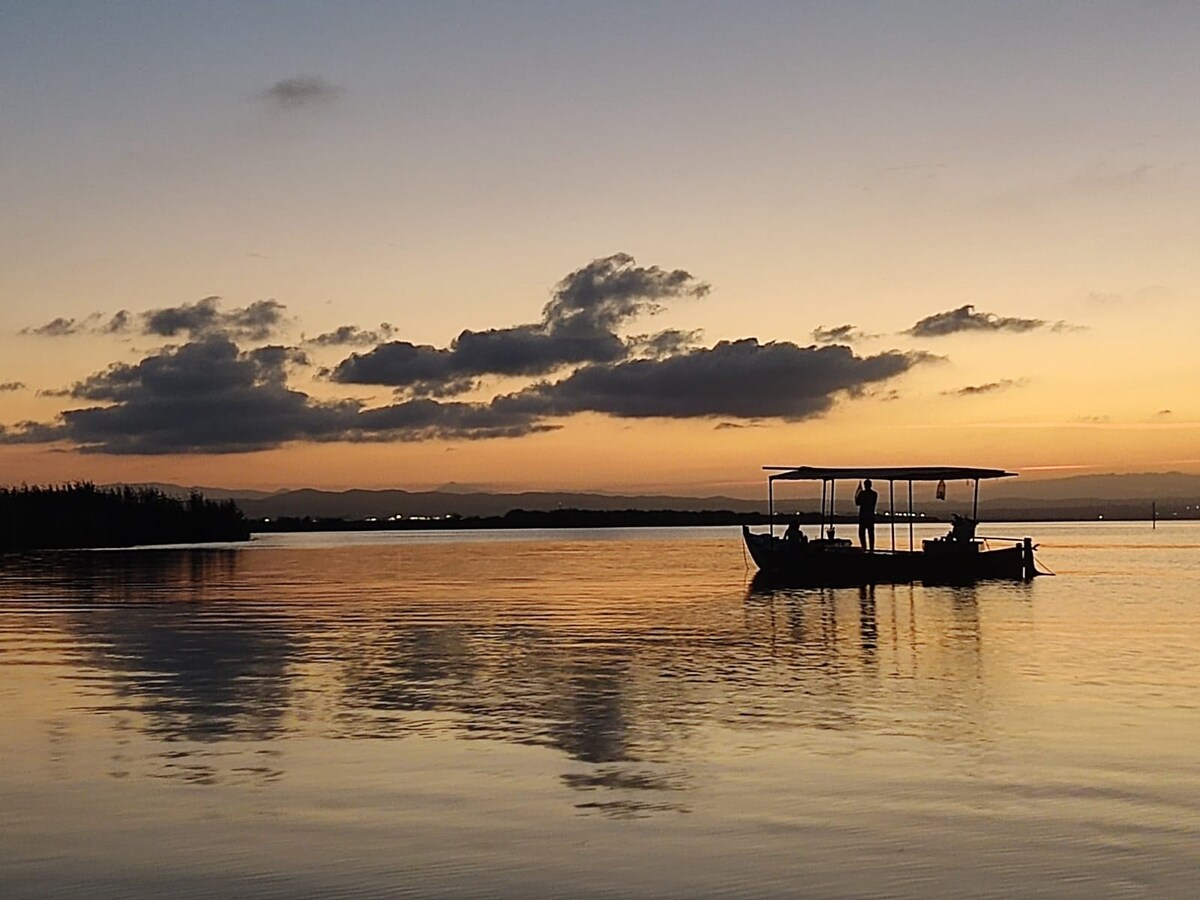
<point>531,518</point>
<point>82,515</point>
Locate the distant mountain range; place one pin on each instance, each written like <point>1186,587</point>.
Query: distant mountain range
<point>1080,496</point>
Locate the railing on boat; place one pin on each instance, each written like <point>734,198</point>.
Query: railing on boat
<point>829,477</point>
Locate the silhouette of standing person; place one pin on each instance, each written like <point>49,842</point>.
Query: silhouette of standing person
<point>865,499</point>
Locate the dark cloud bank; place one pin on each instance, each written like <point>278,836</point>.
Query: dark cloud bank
<point>209,395</point>
<point>578,326</point>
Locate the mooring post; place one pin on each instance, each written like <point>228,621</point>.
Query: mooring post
<point>1030,570</point>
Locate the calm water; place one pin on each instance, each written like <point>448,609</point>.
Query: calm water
<point>596,714</point>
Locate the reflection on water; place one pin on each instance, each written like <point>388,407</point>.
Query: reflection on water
<point>656,672</point>
<point>204,646</point>
<point>186,646</point>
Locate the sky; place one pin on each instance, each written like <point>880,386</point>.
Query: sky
<point>620,246</point>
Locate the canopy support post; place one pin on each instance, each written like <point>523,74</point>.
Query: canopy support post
<point>821,525</point>
<point>892,511</point>
<point>975,504</point>
<point>910,517</point>
<point>832,521</point>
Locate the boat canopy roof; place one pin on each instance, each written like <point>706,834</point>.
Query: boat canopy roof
<point>884,473</point>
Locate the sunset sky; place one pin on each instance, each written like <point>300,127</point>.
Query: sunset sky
<point>614,246</point>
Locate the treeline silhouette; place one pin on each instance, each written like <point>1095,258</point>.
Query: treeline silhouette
<point>80,515</point>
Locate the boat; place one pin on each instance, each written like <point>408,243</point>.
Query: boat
<point>960,556</point>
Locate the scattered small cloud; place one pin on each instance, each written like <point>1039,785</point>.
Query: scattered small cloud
<point>843,334</point>
<point>965,318</point>
<point>1163,413</point>
<point>256,322</point>
<point>7,386</point>
<point>1061,327</point>
<point>301,92</point>
<point>353,336</point>
<point>120,323</point>
<point>991,387</point>
<point>59,327</point>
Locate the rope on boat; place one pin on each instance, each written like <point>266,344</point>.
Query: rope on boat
<point>1038,562</point>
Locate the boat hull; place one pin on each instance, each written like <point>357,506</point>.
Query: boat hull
<point>839,563</point>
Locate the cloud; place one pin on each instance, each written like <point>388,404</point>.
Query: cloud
<point>734,379</point>
<point>579,325</point>
<point>737,426</point>
<point>208,396</point>
<point>846,334</point>
<point>11,386</point>
<point>119,323</point>
<point>424,419</point>
<point>663,343</point>
<point>966,319</point>
<point>353,336</point>
<point>301,92</point>
<point>60,327</point>
<point>991,387</point>
<point>203,396</point>
<point>256,322</point>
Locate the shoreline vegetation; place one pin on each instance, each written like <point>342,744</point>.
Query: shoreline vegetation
<point>81,515</point>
